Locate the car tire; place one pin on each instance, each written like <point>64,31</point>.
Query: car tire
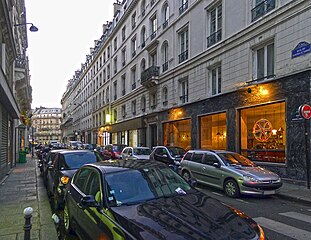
<point>231,188</point>
<point>186,175</point>
<point>67,221</point>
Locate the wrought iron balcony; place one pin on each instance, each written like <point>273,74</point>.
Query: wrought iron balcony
<point>183,56</point>
<point>214,38</point>
<point>164,66</point>
<point>133,86</point>
<point>153,35</point>
<point>183,8</point>
<point>149,77</point>
<point>262,8</point>
<point>165,24</point>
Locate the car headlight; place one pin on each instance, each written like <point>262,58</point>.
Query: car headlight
<point>64,180</point>
<point>247,178</point>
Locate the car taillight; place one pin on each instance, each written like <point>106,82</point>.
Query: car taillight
<point>64,180</point>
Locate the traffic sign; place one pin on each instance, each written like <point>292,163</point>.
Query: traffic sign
<point>305,111</point>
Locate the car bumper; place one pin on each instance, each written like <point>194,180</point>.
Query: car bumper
<point>260,189</point>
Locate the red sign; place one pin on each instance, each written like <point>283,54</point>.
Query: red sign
<point>305,111</point>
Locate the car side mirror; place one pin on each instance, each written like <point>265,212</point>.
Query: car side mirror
<point>216,164</point>
<point>164,155</point>
<point>193,182</point>
<point>89,201</point>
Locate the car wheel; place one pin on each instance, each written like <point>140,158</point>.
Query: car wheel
<point>231,188</point>
<point>186,175</point>
<point>67,220</point>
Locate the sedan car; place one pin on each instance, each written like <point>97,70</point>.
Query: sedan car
<point>62,167</point>
<point>229,171</point>
<point>112,151</point>
<point>128,199</point>
<point>135,153</point>
<point>169,155</point>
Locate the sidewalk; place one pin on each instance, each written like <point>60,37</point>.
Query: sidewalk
<point>23,188</point>
<point>295,191</point>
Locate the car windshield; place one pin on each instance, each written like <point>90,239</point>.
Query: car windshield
<point>77,159</point>
<point>234,159</point>
<point>136,186</point>
<point>142,151</point>
<point>176,151</point>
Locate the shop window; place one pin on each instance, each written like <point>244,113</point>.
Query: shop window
<point>178,133</point>
<point>263,131</point>
<point>213,131</point>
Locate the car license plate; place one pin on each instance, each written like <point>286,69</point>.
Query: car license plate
<point>269,192</point>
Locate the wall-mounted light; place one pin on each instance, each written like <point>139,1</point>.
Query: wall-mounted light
<point>108,118</point>
<point>263,91</point>
<point>31,29</point>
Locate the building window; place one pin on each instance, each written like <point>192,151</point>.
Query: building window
<point>115,43</point>
<point>115,64</point>
<point>123,56</point>
<point>183,7</point>
<point>115,90</point>
<point>123,111</point>
<point>153,100</point>
<point>143,37</point>
<point>115,115</point>
<point>184,90</point>
<point>134,107</point>
<point>123,84</point>
<point>142,65</point>
<point>107,95</point>
<point>166,16</point>
<point>263,62</point>
<point>213,131</point>
<point>165,57</point>
<point>263,133</point>
<point>152,2</point>
<point>143,8</point>
<point>108,71</point>
<point>143,103</point>
<point>133,77</point>
<point>153,26</point>
<point>177,133</point>
<point>108,52</point>
<point>165,96</point>
<point>134,46</point>
<point>215,25</point>
<point>123,33</point>
<point>216,80</point>
<point>153,58</point>
<point>183,45</point>
<point>261,8</point>
<point>134,20</point>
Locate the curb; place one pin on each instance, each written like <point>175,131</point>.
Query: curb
<point>296,199</point>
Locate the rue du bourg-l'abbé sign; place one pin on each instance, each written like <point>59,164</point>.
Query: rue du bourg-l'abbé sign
<point>301,49</point>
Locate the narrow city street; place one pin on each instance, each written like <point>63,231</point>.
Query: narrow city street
<point>281,219</point>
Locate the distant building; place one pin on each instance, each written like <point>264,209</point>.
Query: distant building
<point>46,123</point>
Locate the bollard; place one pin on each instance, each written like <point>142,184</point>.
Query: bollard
<point>27,227</point>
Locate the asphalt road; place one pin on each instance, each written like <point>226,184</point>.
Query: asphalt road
<point>281,219</point>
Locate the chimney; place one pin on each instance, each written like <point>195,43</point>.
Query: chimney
<point>117,6</point>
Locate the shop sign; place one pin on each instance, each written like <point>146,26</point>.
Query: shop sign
<point>305,111</point>
<point>301,49</point>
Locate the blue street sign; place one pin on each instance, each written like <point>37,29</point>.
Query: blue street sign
<point>301,49</point>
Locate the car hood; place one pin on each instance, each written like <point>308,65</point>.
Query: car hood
<point>190,216</point>
<point>258,172</point>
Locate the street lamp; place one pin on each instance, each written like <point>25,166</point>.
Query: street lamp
<point>31,29</point>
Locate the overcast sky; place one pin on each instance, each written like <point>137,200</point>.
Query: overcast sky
<point>67,30</point>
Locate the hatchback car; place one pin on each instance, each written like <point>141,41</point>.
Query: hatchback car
<point>128,199</point>
<point>62,167</point>
<point>229,171</point>
<point>112,151</point>
<point>135,153</point>
<point>168,154</point>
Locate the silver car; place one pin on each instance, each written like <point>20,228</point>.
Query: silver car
<point>229,171</point>
<point>135,153</point>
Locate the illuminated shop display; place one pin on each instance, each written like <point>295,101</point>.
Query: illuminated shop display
<point>178,133</point>
<point>263,133</point>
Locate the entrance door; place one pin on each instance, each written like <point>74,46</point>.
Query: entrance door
<point>153,135</point>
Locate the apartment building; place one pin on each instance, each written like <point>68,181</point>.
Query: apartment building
<point>46,123</point>
<point>15,89</point>
<point>200,74</point>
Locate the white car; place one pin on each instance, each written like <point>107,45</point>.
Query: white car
<point>135,153</point>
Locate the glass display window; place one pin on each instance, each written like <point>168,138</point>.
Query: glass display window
<point>178,133</point>
<point>263,131</point>
<point>213,131</point>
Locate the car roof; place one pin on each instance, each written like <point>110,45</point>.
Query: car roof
<point>66,151</point>
<point>210,150</point>
<point>122,165</point>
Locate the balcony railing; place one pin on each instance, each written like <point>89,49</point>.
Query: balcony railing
<point>184,98</point>
<point>183,56</point>
<point>133,53</point>
<point>133,86</point>
<point>183,8</point>
<point>143,44</point>
<point>214,38</point>
<point>123,92</point>
<point>165,24</point>
<point>262,8</point>
<point>149,77</point>
<point>164,66</point>
<point>153,35</point>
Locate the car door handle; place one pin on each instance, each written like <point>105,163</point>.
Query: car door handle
<point>204,168</point>
<point>79,205</point>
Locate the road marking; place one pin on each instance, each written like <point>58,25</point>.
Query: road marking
<point>219,194</point>
<point>284,229</point>
<point>240,200</point>
<point>298,216</point>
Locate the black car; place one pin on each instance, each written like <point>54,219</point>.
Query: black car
<point>62,167</point>
<point>130,199</point>
<point>169,155</point>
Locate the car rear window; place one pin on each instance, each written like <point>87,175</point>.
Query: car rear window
<point>76,160</point>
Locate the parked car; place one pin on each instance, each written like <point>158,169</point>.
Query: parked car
<point>75,145</point>
<point>229,171</point>
<point>128,199</point>
<point>89,146</point>
<point>135,153</point>
<point>169,155</point>
<point>62,167</point>
<point>112,151</point>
